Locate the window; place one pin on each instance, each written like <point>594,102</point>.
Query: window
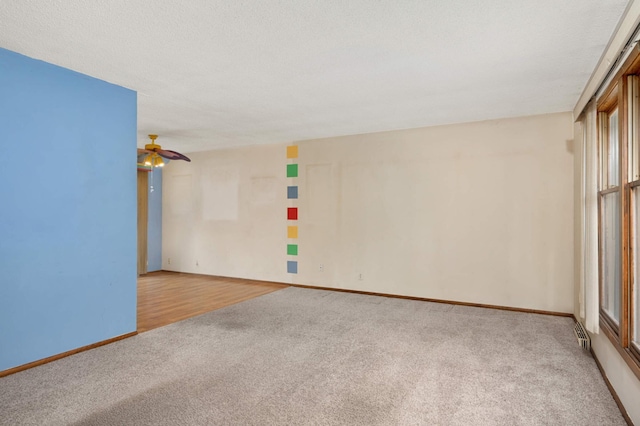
<point>635,201</point>
<point>609,208</point>
<point>619,210</point>
<point>610,260</point>
<point>633,164</point>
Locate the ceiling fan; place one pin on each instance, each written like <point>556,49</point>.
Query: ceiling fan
<point>155,154</point>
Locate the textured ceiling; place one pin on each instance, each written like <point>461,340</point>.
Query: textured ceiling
<point>218,73</point>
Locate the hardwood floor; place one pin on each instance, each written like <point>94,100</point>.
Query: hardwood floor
<point>168,297</point>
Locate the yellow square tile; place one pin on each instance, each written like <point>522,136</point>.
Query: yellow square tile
<point>292,151</point>
<point>292,232</point>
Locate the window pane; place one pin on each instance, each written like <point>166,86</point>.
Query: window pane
<point>636,266</point>
<point>611,255</point>
<point>612,167</point>
<point>633,85</point>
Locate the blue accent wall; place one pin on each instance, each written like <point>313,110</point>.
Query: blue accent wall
<point>67,210</point>
<point>154,225</point>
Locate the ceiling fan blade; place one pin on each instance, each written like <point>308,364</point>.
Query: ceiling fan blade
<point>144,151</point>
<point>172,155</point>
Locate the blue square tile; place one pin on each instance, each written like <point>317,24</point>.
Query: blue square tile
<point>292,192</point>
<point>292,267</point>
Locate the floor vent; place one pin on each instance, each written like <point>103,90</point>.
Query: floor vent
<point>583,337</point>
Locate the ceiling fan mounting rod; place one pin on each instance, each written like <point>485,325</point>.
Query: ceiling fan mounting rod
<point>152,146</point>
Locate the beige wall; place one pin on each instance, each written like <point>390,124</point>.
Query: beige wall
<point>625,383</point>
<point>477,212</point>
<point>223,214</point>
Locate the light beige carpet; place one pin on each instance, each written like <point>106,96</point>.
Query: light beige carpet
<point>299,356</point>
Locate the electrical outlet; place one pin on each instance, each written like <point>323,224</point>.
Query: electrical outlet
<point>197,264</point>
<point>321,267</point>
<point>169,261</point>
<point>360,277</point>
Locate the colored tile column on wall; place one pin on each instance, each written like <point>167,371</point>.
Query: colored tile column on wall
<point>292,212</point>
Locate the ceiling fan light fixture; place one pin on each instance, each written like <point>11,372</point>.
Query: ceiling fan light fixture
<point>155,156</point>
<point>157,161</point>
